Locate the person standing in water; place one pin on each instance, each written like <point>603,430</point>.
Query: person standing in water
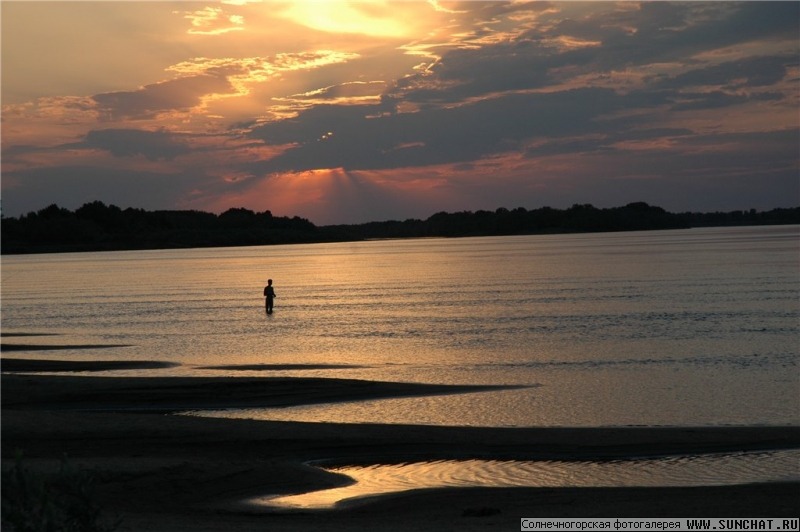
<point>269,293</point>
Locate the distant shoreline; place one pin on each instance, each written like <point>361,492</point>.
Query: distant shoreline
<point>98,227</point>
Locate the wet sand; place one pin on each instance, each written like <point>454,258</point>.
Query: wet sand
<point>165,472</point>
<point>22,365</point>
<point>6,347</point>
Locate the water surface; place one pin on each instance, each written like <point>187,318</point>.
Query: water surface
<point>677,471</point>
<point>686,327</point>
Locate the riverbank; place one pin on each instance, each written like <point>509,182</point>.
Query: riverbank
<point>168,472</point>
<point>97,227</point>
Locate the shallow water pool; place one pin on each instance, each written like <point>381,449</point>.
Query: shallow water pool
<point>690,470</point>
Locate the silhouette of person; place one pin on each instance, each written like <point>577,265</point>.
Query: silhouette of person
<point>269,293</point>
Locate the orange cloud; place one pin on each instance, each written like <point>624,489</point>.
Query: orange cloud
<point>350,93</point>
<point>243,72</point>
<point>212,21</point>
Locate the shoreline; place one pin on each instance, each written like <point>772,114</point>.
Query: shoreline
<point>169,472</point>
<point>413,229</point>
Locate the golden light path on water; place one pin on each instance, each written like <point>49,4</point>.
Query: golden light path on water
<point>695,470</point>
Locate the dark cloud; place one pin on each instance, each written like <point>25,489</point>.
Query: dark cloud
<point>464,73</point>
<point>687,101</point>
<point>151,100</point>
<point>717,156</point>
<point>9,152</point>
<point>444,135</point>
<point>749,21</point>
<point>748,72</point>
<point>662,31</point>
<point>448,134</point>
<point>607,40</point>
<point>601,142</point>
<point>154,145</point>
<point>696,172</point>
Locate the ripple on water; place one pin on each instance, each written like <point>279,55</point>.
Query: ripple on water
<point>692,470</point>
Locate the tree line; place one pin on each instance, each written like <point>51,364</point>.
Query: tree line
<point>99,227</point>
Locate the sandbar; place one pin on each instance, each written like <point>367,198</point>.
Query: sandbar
<point>172,472</point>
<point>6,347</point>
<point>280,367</point>
<point>24,365</point>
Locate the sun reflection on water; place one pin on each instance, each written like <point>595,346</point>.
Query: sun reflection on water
<point>695,470</point>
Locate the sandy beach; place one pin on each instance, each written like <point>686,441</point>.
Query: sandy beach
<point>163,472</point>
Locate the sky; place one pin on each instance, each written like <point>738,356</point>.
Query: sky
<point>349,112</point>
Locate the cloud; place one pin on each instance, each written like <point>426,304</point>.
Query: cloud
<point>663,32</point>
<point>261,68</point>
<point>349,93</point>
<point>438,136</point>
<point>484,101</point>
<point>605,140</point>
<point>481,103</point>
<point>202,79</point>
<point>181,94</point>
<point>212,21</point>
<point>607,40</point>
<point>153,145</point>
<point>758,71</point>
<point>451,106</point>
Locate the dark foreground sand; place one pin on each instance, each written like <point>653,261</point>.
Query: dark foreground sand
<point>161,472</point>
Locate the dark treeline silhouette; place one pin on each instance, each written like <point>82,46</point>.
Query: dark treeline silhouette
<point>751,217</point>
<point>97,227</point>
<point>520,221</point>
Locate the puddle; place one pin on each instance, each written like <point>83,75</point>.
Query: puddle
<point>694,470</point>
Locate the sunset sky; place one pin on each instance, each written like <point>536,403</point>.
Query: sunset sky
<point>347,112</point>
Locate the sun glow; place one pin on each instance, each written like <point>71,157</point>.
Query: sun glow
<point>375,18</point>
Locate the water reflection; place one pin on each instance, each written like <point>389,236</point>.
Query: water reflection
<point>657,328</point>
<point>695,470</point>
